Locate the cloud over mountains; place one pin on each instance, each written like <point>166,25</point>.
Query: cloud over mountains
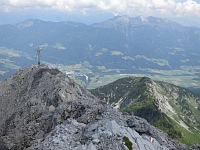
<point>187,8</point>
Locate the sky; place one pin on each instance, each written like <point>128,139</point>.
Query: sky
<point>186,12</point>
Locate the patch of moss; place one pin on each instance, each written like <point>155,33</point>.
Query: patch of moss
<point>128,143</point>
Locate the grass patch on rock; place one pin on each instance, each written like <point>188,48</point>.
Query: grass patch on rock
<point>128,143</point>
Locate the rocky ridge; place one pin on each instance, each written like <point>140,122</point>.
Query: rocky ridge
<point>41,108</point>
<point>173,109</point>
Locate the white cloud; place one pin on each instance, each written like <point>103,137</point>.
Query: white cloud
<point>187,8</point>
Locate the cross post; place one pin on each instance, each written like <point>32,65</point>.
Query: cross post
<point>38,53</point>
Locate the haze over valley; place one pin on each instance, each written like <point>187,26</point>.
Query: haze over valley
<point>102,52</point>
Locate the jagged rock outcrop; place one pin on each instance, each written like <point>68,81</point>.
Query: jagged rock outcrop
<point>41,108</point>
<point>33,101</point>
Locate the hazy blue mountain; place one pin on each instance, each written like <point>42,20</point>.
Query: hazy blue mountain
<point>122,45</point>
<point>157,38</point>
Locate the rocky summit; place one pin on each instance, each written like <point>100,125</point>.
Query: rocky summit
<point>43,109</point>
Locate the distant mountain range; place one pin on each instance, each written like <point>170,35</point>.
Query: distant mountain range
<point>172,109</point>
<point>154,47</point>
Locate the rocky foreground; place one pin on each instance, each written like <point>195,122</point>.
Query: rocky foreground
<point>41,108</point>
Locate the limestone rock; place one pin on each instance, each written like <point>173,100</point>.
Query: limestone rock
<point>41,108</point>
<point>33,101</point>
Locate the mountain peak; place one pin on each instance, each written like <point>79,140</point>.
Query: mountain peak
<point>41,108</point>
<point>124,18</point>
<point>36,94</point>
<point>138,19</point>
<point>127,25</point>
<point>158,102</point>
<point>143,18</point>
<point>27,23</point>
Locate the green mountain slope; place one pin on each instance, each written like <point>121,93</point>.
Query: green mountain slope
<point>173,109</point>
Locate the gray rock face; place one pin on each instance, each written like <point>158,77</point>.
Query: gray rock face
<point>43,109</point>
<point>33,101</point>
<point>143,127</point>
